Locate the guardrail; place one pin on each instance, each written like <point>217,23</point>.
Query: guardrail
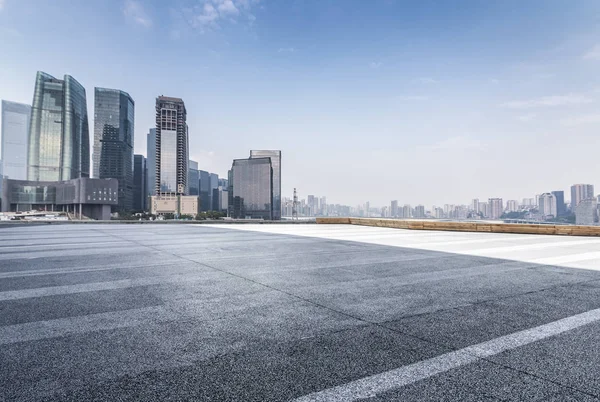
<point>468,226</point>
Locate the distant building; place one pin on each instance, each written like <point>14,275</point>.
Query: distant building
<point>151,161</point>
<point>586,213</point>
<point>15,133</point>
<point>251,187</point>
<point>561,207</point>
<point>323,206</point>
<point>205,191</point>
<point>438,213</point>
<point>394,209</point>
<point>193,178</point>
<point>59,136</point>
<point>214,192</point>
<point>140,178</point>
<point>484,209</point>
<point>512,206</point>
<point>475,206</point>
<point>419,211</point>
<point>92,198</point>
<point>114,114</point>
<point>496,208</point>
<point>275,156</point>
<point>406,211</point>
<point>547,205</point>
<point>580,192</point>
<point>175,204</point>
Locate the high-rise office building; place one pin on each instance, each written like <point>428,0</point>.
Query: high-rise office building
<point>193,178</point>
<point>419,211</point>
<point>205,191</point>
<point>512,206</point>
<point>496,208</point>
<point>475,205</point>
<point>171,146</point>
<point>407,211</point>
<point>140,179</point>
<point>114,119</point>
<point>59,137</point>
<point>547,205</point>
<point>151,161</point>
<point>394,209</point>
<point>586,212</point>
<point>580,192</point>
<point>251,188</point>
<point>214,192</point>
<point>15,134</point>
<point>561,208</point>
<point>276,163</point>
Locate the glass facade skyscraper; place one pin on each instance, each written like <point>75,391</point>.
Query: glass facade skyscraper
<point>139,183</point>
<point>205,191</point>
<point>276,163</point>
<point>193,178</point>
<point>114,114</point>
<point>151,161</point>
<point>15,133</point>
<point>171,146</point>
<point>251,182</point>
<point>59,138</point>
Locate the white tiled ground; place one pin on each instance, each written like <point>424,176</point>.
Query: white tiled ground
<point>566,251</point>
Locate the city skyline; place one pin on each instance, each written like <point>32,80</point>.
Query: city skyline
<point>322,95</point>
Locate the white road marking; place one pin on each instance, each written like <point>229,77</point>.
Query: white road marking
<point>379,383</point>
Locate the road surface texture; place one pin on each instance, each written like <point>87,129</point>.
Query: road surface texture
<point>296,312</point>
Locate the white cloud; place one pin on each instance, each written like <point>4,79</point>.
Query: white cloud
<point>579,120</point>
<point>544,101</point>
<point>375,64</point>
<point>135,11</point>
<point>286,50</point>
<point>593,53</point>
<point>208,14</point>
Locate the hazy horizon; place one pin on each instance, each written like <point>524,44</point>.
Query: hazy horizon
<point>422,102</point>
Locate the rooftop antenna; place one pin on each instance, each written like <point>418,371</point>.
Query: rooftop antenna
<point>295,206</point>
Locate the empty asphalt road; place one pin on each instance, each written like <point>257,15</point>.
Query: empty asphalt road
<point>159,312</point>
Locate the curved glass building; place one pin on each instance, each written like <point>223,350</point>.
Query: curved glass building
<point>59,143</point>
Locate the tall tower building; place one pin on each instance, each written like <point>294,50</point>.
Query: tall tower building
<point>580,192</point>
<point>171,146</point>
<point>276,163</point>
<point>475,205</point>
<point>114,119</point>
<point>561,208</point>
<point>15,134</point>
<point>193,178</point>
<point>151,161</point>
<point>140,195</point>
<point>496,208</point>
<point>394,209</point>
<point>251,183</point>
<point>547,205</point>
<point>59,137</point>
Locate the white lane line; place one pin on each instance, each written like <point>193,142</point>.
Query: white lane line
<point>369,387</point>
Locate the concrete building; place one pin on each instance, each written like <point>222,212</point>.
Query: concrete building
<point>59,137</point>
<point>275,156</point>
<point>475,206</point>
<point>15,133</point>
<point>547,205</point>
<point>580,192</point>
<point>586,213</point>
<point>496,208</point>
<point>114,121</point>
<point>512,206</point>
<point>140,178</point>
<point>407,211</point>
<point>174,204</point>
<point>419,211</point>
<point>394,209</point>
<point>92,198</point>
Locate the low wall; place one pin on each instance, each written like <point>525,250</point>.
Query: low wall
<point>566,230</point>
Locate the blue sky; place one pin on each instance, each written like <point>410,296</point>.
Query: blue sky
<point>422,101</point>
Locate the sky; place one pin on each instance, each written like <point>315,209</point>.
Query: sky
<point>424,102</point>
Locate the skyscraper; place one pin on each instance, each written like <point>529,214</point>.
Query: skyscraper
<point>475,206</point>
<point>140,194</point>
<point>496,208</point>
<point>214,192</point>
<point>580,192</point>
<point>252,185</point>
<point>193,178</point>
<point>276,163</point>
<point>547,205</point>
<point>419,211</point>
<point>561,208</point>
<point>394,209</point>
<point>114,114</point>
<point>205,191</point>
<point>171,146</point>
<point>59,137</point>
<point>407,211</point>
<point>15,134</point>
<point>151,161</point>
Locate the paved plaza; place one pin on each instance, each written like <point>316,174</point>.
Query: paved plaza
<point>167,312</point>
